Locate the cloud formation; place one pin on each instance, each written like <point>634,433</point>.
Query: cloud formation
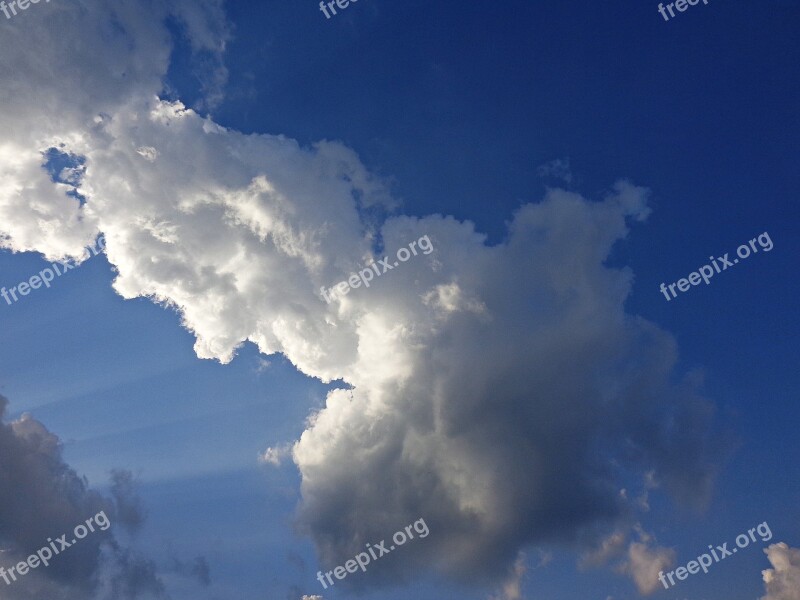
<point>782,581</point>
<point>502,393</point>
<point>644,563</point>
<point>41,497</point>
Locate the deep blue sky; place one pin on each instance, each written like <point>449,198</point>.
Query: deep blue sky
<point>458,103</point>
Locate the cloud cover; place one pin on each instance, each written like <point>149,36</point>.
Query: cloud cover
<point>502,393</point>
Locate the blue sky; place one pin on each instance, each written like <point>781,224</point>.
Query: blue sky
<point>452,109</point>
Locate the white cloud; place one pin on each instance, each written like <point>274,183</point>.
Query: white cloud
<point>275,456</point>
<point>66,71</point>
<point>643,564</point>
<point>148,153</point>
<point>782,581</point>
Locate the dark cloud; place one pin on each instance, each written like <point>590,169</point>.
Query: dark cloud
<point>41,498</point>
<point>130,513</point>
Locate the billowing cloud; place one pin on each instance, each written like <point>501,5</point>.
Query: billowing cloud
<point>67,67</point>
<point>782,581</point>
<point>502,393</point>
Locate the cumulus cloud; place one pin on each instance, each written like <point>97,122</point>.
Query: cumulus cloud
<point>782,581</point>
<point>67,68</point>
<point>502,393</point>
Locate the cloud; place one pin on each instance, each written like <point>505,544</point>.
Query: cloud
<point>275,456</point>
<point>130,513</point>
<point>41,497</point>
<point>605,550</point>
<point>262,365</point>
<point>500,426</point>
<point>644,563</point>
<point>67,69</point>
<point>556,169</point>
<point>782,581</point>
<point>512,587</point>
<point>639,558</point>
<point>502,393</point>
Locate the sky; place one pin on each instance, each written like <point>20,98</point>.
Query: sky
<point>524,386</point>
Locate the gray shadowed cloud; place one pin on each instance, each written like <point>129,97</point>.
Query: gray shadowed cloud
<point>130,513</point>
<point>517,423</point>
<point>41,497</point>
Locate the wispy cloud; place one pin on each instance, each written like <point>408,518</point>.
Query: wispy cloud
<point>275,456</point>
<point>557,169</point>
<point>512,586</point>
